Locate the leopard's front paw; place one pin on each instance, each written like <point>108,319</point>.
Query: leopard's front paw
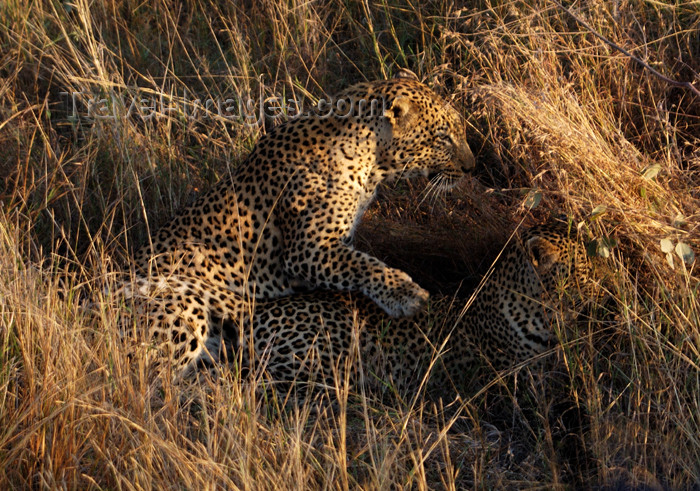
<point>397,294</point>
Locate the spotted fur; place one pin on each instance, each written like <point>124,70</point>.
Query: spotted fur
<point>509,321</point>
<point>286,216</point>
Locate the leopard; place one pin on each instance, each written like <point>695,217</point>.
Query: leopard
<point>283,221</point>
<point>508,322</point>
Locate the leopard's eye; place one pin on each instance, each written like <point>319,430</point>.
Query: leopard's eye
<point>443,135</point>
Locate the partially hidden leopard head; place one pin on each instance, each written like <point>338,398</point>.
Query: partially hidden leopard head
<point>542,279</point>
<point>422,133</point>
<point>557,257</point>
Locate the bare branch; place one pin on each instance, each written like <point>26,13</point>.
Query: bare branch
<point>670,81</point>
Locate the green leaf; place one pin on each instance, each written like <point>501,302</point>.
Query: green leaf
<point>669,259</point>
<point>666,245</point>
<point>604,246</point>
<point>609,242</point>
<point>533,199</point>
<point>598,210</point>
<point>679,221</point>
<point>601,247</point>
<point>651,172</point>
<point>685,252</point>
<point>592,248</point>
<point>603,252</point>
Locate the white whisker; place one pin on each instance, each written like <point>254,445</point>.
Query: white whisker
<point>429,189</point>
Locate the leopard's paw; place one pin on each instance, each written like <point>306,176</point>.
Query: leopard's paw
<point>397,294</point>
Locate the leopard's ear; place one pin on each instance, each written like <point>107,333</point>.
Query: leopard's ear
<point>401,112</point>
<point>542,253</point>
<point>406,73</point>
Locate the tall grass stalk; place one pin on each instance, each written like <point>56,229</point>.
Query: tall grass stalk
<point>549,107</point>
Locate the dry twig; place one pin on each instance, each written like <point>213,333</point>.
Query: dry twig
<point>670,81</point>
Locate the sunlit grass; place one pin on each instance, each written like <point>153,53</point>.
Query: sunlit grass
<point>549,108</point>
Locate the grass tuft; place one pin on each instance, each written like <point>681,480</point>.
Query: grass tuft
<point>552,112</point>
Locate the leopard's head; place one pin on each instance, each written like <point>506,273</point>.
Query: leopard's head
<point>422,133</point>
<point>556,257</point>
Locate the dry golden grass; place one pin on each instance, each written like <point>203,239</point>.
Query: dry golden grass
<point>550,108</point>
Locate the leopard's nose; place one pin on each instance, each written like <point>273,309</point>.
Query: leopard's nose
<point>464,157</point>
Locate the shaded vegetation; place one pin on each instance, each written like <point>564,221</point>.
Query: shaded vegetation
<point>550,109</point>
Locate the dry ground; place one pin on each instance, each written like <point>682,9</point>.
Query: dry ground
<point>556,118</point>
